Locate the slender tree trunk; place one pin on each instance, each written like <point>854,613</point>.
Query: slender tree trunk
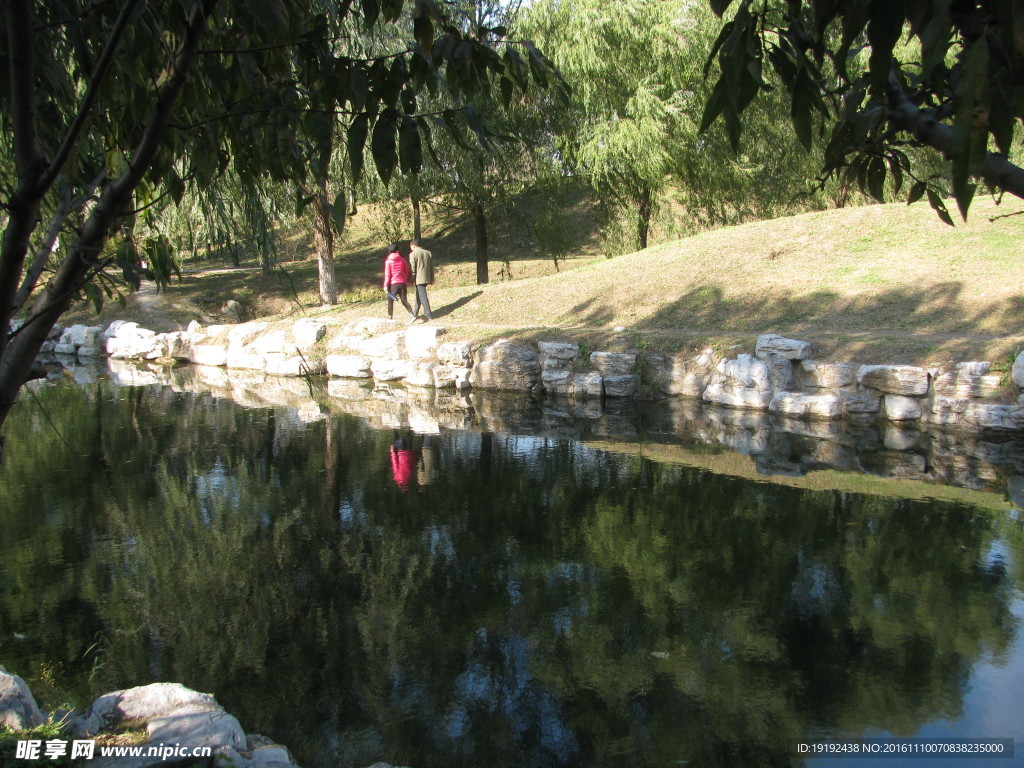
<point>416,217</point>
<point>480,226</point>
<point>18,351</point>
<point>323,240</point>
<point>644,210</point>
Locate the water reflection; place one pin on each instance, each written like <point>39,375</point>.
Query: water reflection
<point>549,597</point>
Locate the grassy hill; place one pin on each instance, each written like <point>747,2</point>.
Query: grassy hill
<point>881,283</point>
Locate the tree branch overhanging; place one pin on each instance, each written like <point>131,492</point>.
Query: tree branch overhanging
<point>997,170</point>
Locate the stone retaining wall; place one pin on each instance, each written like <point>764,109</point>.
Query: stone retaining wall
<point>779,377</point>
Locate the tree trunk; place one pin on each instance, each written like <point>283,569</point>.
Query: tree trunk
<point>323,240</point>
<point>18,351</point>
<point>644,210</point>
<point>416,232</point>
<point>480,226</point>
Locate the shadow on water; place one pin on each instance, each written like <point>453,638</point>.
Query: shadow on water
<point>435,580</point>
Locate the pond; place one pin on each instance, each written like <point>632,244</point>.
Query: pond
<point>500,582</point>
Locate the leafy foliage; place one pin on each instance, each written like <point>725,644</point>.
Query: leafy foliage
<point>882,79</point>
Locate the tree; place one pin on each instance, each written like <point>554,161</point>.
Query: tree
<point>144,99</point>
<point>627,120</point>
<point>882,78</point>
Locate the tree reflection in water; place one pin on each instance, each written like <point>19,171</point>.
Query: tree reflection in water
<point>526,601</point>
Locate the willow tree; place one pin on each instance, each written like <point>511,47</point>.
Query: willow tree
<point>110,107</point>
<point>629,113</point>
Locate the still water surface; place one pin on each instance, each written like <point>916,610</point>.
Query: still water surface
<point>476,598</point>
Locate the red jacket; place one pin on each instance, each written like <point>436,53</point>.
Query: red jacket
<point>403,465</point>
<point>396,269</point>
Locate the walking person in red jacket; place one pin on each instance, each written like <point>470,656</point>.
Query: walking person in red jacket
<point>396,275</point>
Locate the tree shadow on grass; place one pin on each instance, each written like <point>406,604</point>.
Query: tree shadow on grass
<point>938,314</point>
<point>447,309</point>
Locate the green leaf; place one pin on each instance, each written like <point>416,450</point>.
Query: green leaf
<point>357,132</point>
<point>410,150</point>
<point>801,109</point>
<point>391,10</point>
<point>360,85</point>
<point>95,295</point>
<point>476,123</point>
<point>382,145</point>
<point>940,207</point>
<point>916,192</point>
<point>720,6</point>
<point>876,178</point>
<point>885,24</point>
<point>970,130</point>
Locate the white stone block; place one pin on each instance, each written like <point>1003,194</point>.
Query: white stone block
<point>349,366</point>
<point>420,374</point>
<point>894,379</point>
<point>458,353</point>
<point>790,349</point>
<point>389,370</point>
<point>613,364</point>
<point>209,354</point>
<point>992,417</point>
<point>620,386</point>
<point>802,405</point>
<point>901,408</point>
<point>308,331</point>
<point>422,341</point>
<point>828,375</point>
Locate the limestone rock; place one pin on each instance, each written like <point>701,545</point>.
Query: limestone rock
<point>894,379</point>
<point>965,380</point>
<point>901,408</point>
<point>18,709</point>
<point>389,370</point>
<point>349,366</point>
<point>678,374</point>
<point>421,341</point>
<point>741,383</point>
<point>620,386</point>
<point>789,349</point>
<point>827,375</point>
<point>801,405</point>
<point>506,365</point>
<point>860,402</point>
<point>558,351</point>
<point>141,703</point>
<point>389,345</point>
<point>613,363</point>
<point>1018,371</point>
<point>457,353</point>
<point>308,332</point>
<point>420,374</point>
<point>995,418</point>
<point>947,411</point>
<point>447,376</point>
<point>209,354</point>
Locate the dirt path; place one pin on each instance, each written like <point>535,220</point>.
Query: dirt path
<point>151,309</point>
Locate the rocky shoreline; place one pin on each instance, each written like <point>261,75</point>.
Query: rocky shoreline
<point>176,720</point>
<point>779,376</point>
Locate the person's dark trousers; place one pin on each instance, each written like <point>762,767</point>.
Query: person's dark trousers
<point>421,299</point>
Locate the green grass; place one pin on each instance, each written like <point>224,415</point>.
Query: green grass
<point>880,283</point>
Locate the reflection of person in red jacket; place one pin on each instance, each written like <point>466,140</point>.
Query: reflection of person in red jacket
<point>403,462</point>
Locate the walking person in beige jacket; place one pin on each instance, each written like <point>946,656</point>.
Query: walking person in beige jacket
<point>422,263</point>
